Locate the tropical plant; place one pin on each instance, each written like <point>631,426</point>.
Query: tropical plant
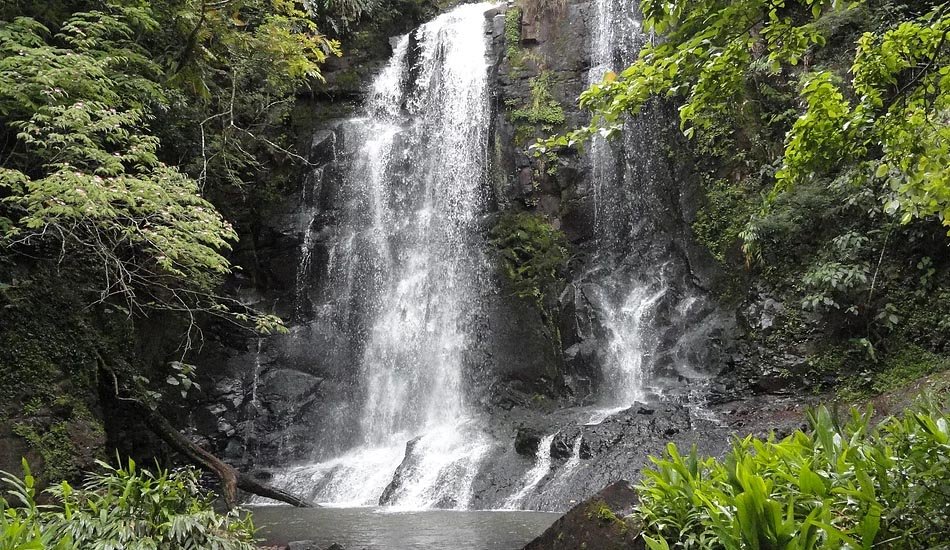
<point>120,507</point>
<point>847,485</point>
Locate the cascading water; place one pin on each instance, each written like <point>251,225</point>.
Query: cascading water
<point>628,298</point>
<point>541,468</point>
<point>404,270</point>
<point>615,36</point>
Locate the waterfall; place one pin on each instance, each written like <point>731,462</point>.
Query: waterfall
<point>653,320</point>
<point>250,426</point>
<point>405,269</point>
<point>628,300</point>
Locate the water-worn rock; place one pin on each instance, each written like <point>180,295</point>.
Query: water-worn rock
<point>404,469</point>
<point>599,523</point>
<point>527,441</point>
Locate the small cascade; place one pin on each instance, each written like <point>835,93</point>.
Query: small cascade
<point>402,273</point>
<point>541,468</point>
<point>250,430</point>
<point>256,374</point>
<point>615,39</point>
<point>642,289</point>
<point>575,460</point>
<point>628,302</point>
<point>631,344</point>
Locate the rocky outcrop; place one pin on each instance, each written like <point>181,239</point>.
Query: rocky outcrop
<point>598,523</point>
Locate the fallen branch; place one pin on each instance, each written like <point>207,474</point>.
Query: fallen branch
<point>231,478</point>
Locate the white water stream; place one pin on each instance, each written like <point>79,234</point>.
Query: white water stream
<point>542,465</point>
<point>628,306</point>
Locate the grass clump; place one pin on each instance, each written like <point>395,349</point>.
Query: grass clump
<point>838,485</point>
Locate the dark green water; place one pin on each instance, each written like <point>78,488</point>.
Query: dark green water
<point>381,529</point>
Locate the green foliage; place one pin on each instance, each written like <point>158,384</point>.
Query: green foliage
<point>836,486</point>
<point>896,134</point>
<point>513,34</point>
<point>534,254</point>
<point>534,258</point>
<point>55,446</point>
<point>842,278</point>
<point>601,512</point>
<point>122,507</point>
<point>342,15</point>
<point>895,369</point>
<point>719,224</point>
<point>544,110</point>
<point>83,171</point>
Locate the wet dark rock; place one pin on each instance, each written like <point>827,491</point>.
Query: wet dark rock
<point>519,348</point>
<point>406,467</point>
<point>598,523</point>
<point>562,448</point>
<point>527,441</point>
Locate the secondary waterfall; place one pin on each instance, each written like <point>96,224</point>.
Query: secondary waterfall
<point>652,316</point>
<point>628,300</point>
<point>404,270</point>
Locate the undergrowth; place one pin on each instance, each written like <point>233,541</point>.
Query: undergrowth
<point>839,485</point>
<point>123,508</point>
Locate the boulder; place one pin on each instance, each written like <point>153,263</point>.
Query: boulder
<point>599,523</point>
<point>527,441</point>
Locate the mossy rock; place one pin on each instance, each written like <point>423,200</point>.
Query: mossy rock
<point>599,523</point>
<point>50,339</point>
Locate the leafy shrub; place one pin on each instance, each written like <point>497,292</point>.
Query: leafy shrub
<point>534,257</point>
<point>836,486</point>
<point>123,508</point>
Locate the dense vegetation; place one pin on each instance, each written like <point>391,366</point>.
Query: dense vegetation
<point>838,485</point>
<point>120,117</point>
<point>121,507</point>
